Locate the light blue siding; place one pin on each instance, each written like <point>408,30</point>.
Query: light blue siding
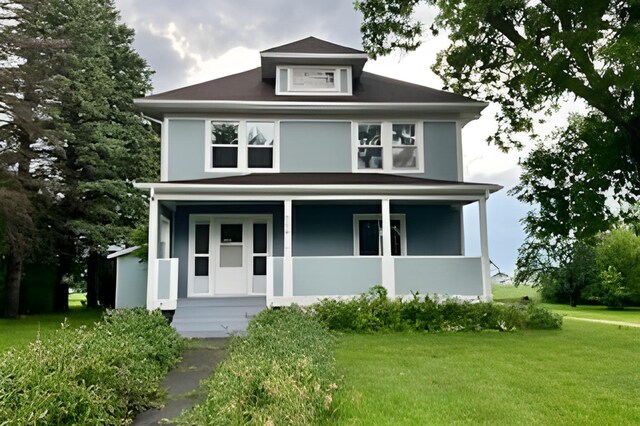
<point>445,276</point>
<point>278,276</point>
<point>186,150</point>
<point>432,230</point>
<point>131,283</point>
<point>315,147</point>
<point>440,151</point>
<point>335,276</point>
<point>164,280</point>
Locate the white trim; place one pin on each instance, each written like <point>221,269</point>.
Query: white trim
<point>387,263</point>
<point>242,146</point>
<point>310,300</point>
<point>386,145</point>
<point>484,249</point>
<point>459,156</point>
<point>287,262</point>
<point>357,217</point>
<point>164,150</point>
<point>122,252</point>
<point>214,220</point>
<point>152,271</point>
<point>337,90</point>
<point>256,197</point>
<point>161,105</point>
<point>314,55</point>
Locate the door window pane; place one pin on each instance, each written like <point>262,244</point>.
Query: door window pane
<point>231,233</point>
<point>260,158</point>
<point>202,239</point>
<point>259,237</point>
<point>224,157</point>
<point>230,256</point>
<point>259,265</point>
<point>369,237</point>
<point>202,266</point>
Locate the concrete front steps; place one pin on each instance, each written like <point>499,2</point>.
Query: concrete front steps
<point>216,316</point>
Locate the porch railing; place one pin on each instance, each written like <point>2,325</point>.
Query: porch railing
<point>167,289</point>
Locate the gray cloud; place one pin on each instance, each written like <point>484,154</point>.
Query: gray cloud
<point>213,27</point>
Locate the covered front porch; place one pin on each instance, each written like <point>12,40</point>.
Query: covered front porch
<point>299,247</point>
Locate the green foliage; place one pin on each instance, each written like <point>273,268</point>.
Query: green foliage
<point>281,372</point>
<point>564,268</point>
<point>610,289</point>
<point>618,262</point>
<point>96,376</point>
<point>374,312</point>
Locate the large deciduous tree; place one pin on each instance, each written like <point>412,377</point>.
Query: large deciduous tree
<point>530,57</point>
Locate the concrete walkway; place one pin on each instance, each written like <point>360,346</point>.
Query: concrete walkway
<point>182,383</point>
<point>620,323</point>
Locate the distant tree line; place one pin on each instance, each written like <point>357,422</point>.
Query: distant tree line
<point>71,141</point>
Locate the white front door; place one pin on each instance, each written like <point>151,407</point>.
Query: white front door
<point>230,270</point>
<point>227,254</point>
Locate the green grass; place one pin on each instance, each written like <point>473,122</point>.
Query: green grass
<point>631,315</point>
<point>509,294</point>
<point>584,374</point>
<point>26,329</point>
<point>77,300</point>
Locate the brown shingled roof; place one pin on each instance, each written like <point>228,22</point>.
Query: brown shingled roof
<point>311,45</point>
<point>322,179</point>
<point>249,86</point>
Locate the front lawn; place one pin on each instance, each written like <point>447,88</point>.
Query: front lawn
<point>26,329</point>
<point>584,374</point>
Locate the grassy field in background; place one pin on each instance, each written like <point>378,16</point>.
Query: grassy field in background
<point>584,374</point>
<point>26,329</point>
<point>510,294</point>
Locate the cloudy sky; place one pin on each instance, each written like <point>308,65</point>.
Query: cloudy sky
<point>191,41</point>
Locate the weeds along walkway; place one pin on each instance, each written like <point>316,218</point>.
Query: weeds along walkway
<point>601,321</point>
<point>182,383</point>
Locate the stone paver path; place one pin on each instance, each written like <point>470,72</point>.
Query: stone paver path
<point>182,383</point>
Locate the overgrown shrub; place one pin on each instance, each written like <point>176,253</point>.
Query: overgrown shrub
<point>281,372</point>
<point>374,311</point>
<point>89,376</point>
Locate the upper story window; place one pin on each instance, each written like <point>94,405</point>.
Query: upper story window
<point>388,147</point>
<point>241,145</point>
<point>313,80</point>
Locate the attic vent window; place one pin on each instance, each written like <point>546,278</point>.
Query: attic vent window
<point>310,80</point>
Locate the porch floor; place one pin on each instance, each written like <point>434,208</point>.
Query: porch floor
<point>216,316</point>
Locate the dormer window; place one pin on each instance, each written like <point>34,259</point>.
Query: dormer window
<point>313,80</point>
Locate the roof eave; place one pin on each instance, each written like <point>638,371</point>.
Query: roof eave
<point>456,189</point>
<point>159,106</point>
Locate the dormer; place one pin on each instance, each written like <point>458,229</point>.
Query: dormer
<point>312,67</point>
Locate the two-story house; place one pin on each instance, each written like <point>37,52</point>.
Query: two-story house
<point>308,178</point>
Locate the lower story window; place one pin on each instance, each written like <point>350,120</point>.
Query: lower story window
<point>368,235</point>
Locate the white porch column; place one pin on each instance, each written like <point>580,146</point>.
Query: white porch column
<point>388,271</point>
<point>152,271</point>
<point>484,249</point>
<point>287,262</point>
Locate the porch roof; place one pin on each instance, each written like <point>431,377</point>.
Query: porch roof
<point>321,183</point>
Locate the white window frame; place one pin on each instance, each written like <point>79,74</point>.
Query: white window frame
<point>338,90</point>
<point>396,216</point>
<point>386,143</point>
<point>242,146</point>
